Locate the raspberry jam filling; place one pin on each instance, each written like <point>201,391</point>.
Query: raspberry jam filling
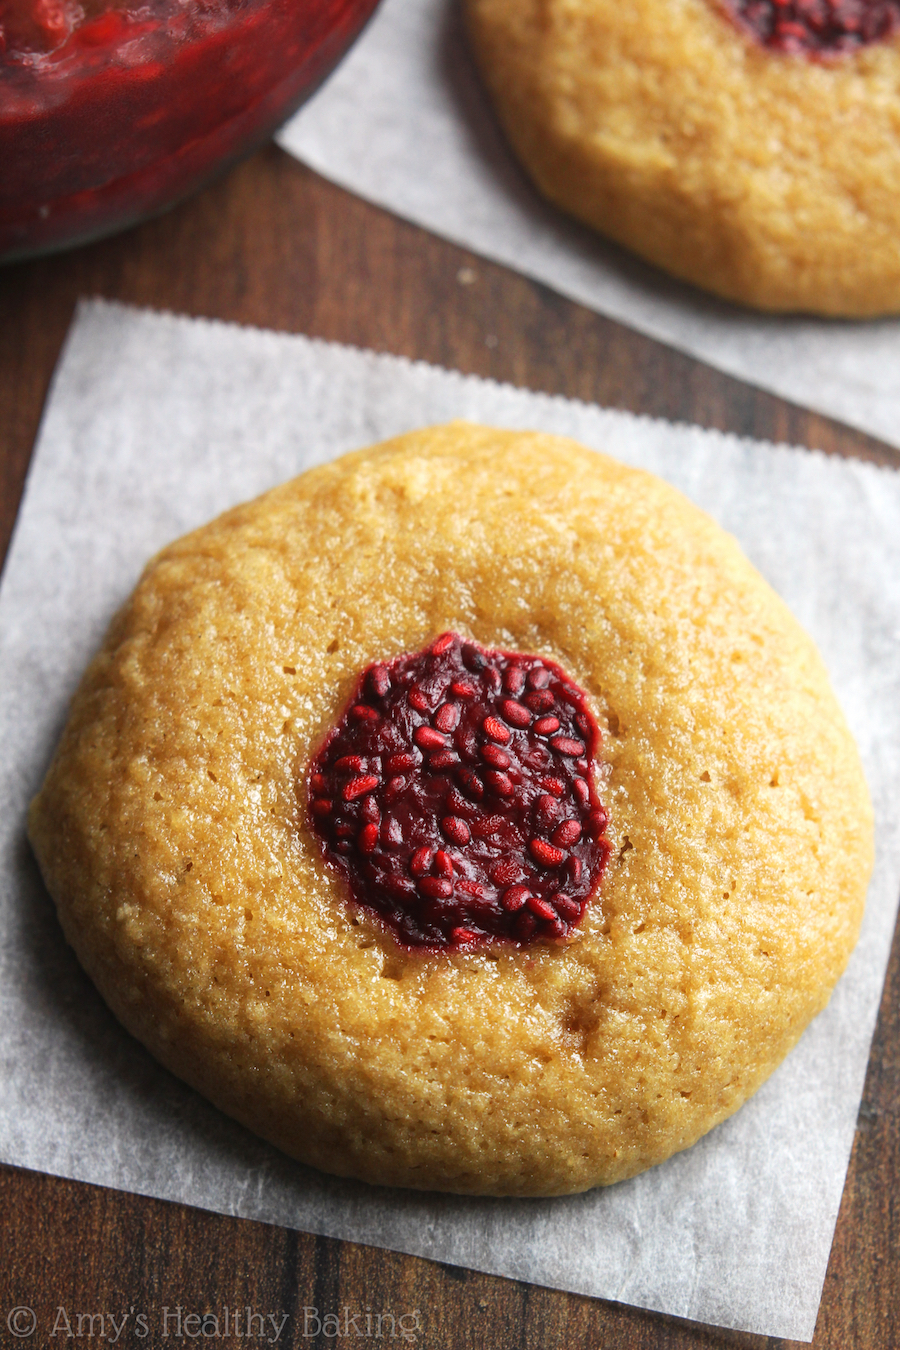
<point>816,26</point>
<point>456,795</point>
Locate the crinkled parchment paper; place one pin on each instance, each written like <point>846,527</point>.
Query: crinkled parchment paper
<point>155,424</point>
<point>404,123</point>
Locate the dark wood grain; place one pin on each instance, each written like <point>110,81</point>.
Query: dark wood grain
<point>274,245</point>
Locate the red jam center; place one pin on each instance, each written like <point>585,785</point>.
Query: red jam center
<point>817,26</point>
<point>456,795</point>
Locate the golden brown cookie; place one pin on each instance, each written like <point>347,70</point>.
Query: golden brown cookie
<point>175,827</point>
<point>750,147</point>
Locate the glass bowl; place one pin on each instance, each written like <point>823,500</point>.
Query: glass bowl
<point>110,112</point>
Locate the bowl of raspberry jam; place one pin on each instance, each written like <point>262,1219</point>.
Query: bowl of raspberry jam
<point>112,110</point>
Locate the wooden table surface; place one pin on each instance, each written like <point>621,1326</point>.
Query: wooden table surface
<point>274,245</point>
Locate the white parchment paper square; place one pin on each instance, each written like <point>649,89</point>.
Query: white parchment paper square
<point>404,123</point>
<point>156,423</point>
